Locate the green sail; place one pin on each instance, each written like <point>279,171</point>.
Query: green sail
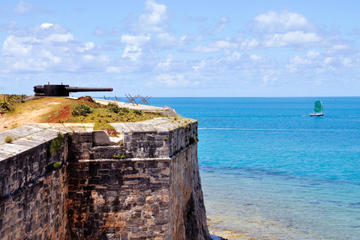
<point>318,107</point>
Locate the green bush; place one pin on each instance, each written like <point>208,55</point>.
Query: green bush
<point>125,110</point>
<point>57,165</point>
<point>113,108</point>
<point>6,107</point>
<point>55,146</point>
<point>138,112</point>
<point>9,139</point>
<point>81,110</point>
<point>116,109</point>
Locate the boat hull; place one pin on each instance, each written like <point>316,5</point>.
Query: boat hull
<point>316,114</point>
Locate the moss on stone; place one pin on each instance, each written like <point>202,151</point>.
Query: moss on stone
<point>55,146</point>
<point>9,139</point>
<point>57,165</point>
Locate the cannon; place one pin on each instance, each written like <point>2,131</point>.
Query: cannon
<point>64,90</point>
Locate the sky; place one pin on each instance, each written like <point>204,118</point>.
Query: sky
<point>227,48</point>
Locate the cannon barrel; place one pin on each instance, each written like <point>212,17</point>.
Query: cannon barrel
<point>80,89</point>
<point>64,90</point>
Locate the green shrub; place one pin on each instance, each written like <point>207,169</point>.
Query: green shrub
<point>138,112</point>
<point>116,109</point>
<point>125,110</point>
<point>81,110</point>
<point>55,146</point>
<point>118,156</point>
<point>57,165</point>
<point>9,139</point>
<point>113,108</point>
<point>6,107</point>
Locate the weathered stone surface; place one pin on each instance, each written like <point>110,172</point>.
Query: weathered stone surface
<point>100,138</point>
<point>188,219</point>
<point>119,197</point>
<point>33,192</point>
<point>147,187</point>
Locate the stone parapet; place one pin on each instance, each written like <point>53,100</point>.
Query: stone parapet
<point>144,184</point>
<point>32,191</point>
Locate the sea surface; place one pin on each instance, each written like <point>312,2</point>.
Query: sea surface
<point>269,171</point>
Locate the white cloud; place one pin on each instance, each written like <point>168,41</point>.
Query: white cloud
<point>133,50</point>
<point>166,40</point>
<point>165,65</point>
<point>223,22</point>
<point>134,39</point>
<point>227,44</point>
<point>224,44</point>
<point>174,80</point>
<point>171,80</point>
<point>339,47</point>
<point>347,62</point>
<point>153,19</point>
<point>296,38</point>
<point>205,49</point>
<point>282,29</point>
<point>18,46</point>
<point>23,7</point>
<point>328,60</point>
<point>48,48</point>
<point>199,66</point>
<point>269,77</point>
<point>86,47</point>
<point>312,54</point>
<point>316,62</point>
<point>255,57</point>
<point>113,69</point>
<point>281,22</point>
<point>216,46</point>
<point>46,25</point>
<point>59,37</point>
<point>249,43</point>
<point>297,63</point>
<point>235,56</point>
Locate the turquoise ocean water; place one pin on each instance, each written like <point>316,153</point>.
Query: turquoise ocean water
<point>270,171</point>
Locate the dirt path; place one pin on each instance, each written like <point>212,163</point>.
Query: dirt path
<point>29,112</point>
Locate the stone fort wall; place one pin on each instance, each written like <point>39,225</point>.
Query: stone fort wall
<point>32,191</point>
<point>146,186</point>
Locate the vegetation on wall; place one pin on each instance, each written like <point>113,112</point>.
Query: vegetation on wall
<point>9,139</point>
<point>57,165</point>
<point>119,156</point>
<point>56,144</point>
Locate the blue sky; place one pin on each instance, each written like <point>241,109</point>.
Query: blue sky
<point>183,48</point>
